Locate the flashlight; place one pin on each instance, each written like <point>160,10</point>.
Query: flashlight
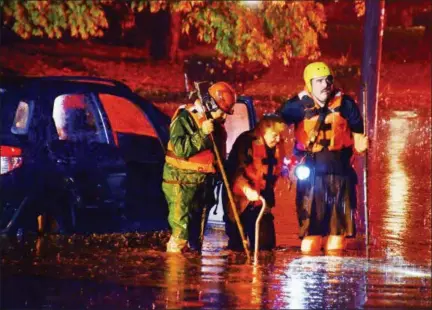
<point>302,172</point>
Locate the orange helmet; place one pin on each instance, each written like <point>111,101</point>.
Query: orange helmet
<point>224,96</point>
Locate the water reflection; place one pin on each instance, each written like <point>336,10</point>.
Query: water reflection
<point>295,291</point>
<point>395,219</point>
<point>137,277</point>
<point>317,283</point>
<point>182,280</point>
<point>400,188</point>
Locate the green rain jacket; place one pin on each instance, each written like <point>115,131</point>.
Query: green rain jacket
<point>188,191</point>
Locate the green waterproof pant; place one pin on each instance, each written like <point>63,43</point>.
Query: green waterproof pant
<point>190,196</point>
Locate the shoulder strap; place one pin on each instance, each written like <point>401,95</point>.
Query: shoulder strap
<point>317,127</point>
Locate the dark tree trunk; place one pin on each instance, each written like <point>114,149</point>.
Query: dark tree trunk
<point>175,32</point>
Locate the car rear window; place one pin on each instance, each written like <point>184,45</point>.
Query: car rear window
<point>15,115</point>
<point>22,117</point>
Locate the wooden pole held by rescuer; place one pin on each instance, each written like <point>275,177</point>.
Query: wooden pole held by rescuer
<point>198,86</point>
<point>365,169</point>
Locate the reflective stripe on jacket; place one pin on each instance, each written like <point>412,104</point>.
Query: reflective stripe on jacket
<point>334,134</point>
<point>203,161</point>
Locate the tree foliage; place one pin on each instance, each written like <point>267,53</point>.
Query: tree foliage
<point>360,7</point>
<point>81,18</point>
<point>271,30</point>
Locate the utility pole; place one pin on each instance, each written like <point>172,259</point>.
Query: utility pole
<point>370,69</point>
<point>368,95</point>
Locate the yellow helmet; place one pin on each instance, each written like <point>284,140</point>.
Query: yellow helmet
<point>315,70</point>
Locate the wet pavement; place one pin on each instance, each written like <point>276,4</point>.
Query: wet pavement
<point>132,271</point>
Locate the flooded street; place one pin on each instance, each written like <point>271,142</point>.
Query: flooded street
<point>122,271</point>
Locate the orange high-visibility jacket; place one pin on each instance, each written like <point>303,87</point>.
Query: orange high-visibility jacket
<point>334,133</point>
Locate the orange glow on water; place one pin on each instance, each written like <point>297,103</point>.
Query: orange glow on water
<point>395,221</point>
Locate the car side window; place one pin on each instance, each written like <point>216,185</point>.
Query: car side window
<point>133,132</point>
<point>125,116</point>
<point>75,119</point>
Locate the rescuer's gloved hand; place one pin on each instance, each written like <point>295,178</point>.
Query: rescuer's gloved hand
<point>207,126</point>
<point>360,142</point>
<point>251,194</point>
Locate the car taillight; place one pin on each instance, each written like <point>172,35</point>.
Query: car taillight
<point>10,158</point>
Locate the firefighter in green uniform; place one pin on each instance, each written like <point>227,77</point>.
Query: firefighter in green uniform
<point>190,169</point>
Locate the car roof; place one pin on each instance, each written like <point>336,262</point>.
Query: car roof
<point>62,83</point>
<point>55,85</point>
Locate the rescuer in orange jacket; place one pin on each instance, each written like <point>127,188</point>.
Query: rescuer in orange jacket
<point>190,168</point>
<point>253,167</point>
<point>328,129</point>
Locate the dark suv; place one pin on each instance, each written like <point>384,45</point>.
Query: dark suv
<point>79,154</point>
<point>86,154</point>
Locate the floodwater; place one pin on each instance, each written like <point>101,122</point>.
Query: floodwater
<point>132,271</point>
